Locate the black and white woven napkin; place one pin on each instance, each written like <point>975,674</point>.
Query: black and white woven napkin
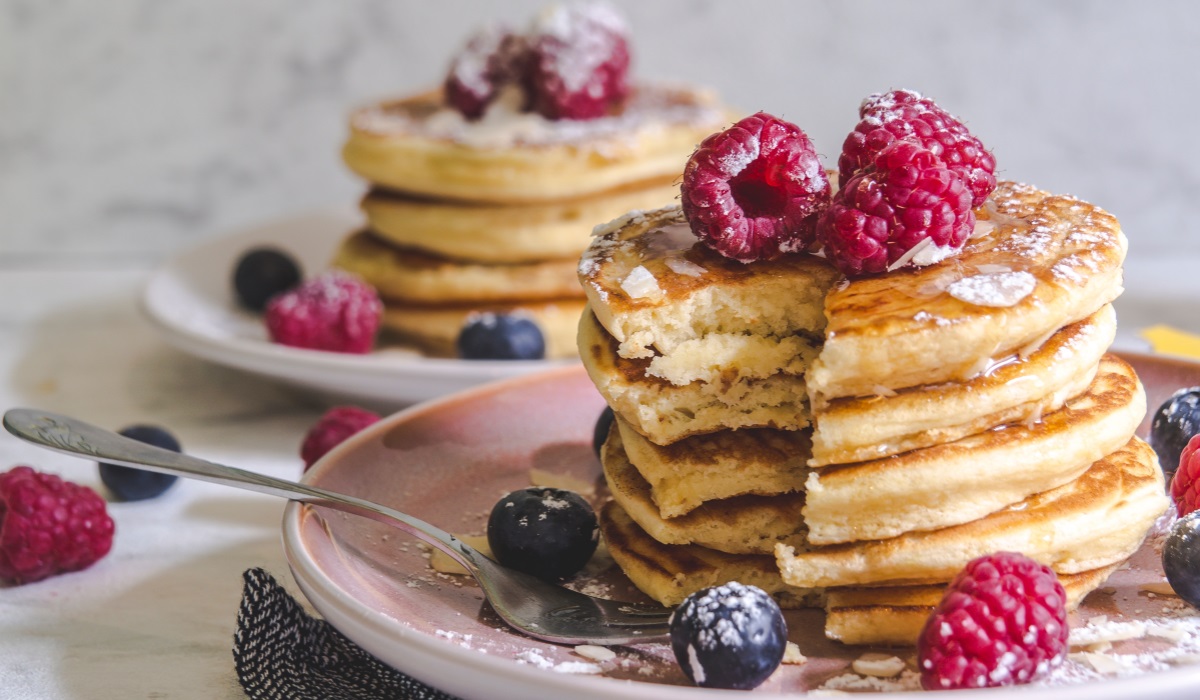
<point>283,653</point>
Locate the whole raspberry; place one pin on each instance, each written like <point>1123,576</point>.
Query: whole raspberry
<point>579,62</point>
<point>754,191</point>
<point>491,60</point>
<point>906,115</point>
<point>49,526</point>
<point>1002,621</point>
<point>337,424</point>
<point>906,198</point>
<point>1185,487</point>
<point>333,311</point>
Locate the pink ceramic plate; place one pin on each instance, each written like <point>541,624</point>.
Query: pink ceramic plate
<point>450,460</point>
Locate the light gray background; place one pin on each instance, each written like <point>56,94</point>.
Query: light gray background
<point>136,127</point>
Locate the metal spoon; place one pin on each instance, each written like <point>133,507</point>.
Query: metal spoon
<point>534,607</point>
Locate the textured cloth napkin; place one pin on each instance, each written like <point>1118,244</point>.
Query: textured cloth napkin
<point>281,651</point>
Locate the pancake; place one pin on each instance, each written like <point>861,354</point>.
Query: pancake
<point>885,615</point>
<point>979,474</point>
<point>718,465</point>
<point>895,615</point>
<point>654,288</point>
<point>414,276</point>
<point>665,412</point>
<point>506,233</point>
<point>1019,388</point>
<point>1096,520</point>
<point>745,524</point>
<point>420,146</point>
<point>670,573</point>
<point>434,329</point>
<point>1036,263</point>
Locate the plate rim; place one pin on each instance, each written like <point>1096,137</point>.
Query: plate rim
<point>586,687</point>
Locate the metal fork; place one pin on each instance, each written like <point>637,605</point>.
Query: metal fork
<point>534,607</point>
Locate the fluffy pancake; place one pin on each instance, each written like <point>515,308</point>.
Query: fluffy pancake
<point>413,276</point>
<point>885,615</point>
<point>655,287</point>
<point>1096,520</point>
<point>1036,263</point>
<point>1018,388</point>
<point>670,573</point>
<point>745,524</point>
<point>435,328</point>
<point>665,412</point>
<point>979,474</point>
<point>421,146</point>
<point>895,615</point>
<point>718,465</point>
<point>508,233</point>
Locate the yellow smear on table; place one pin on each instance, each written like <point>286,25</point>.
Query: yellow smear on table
<point>1172,341</point>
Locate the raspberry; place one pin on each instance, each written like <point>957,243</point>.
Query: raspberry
<point>754,191</point>
<point>337,424</point>
<point>1002,621</point>
<point>49,526</point>
<point>333,311</point>
<point>1185,489</point>
<point>491,60</point>
<point>579,56</point>
<point>906,198</point>
<point>906,115</point>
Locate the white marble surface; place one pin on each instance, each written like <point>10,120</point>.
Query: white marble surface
<point>130,129</point>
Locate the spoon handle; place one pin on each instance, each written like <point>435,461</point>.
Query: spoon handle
<point>75,437</point>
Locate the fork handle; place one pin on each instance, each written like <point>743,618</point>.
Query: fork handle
<point>75,437</point>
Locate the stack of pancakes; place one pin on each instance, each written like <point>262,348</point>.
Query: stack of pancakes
<point>491,215</point>
<point>852,444</point>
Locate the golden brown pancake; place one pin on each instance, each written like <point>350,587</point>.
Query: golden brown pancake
<point>961,481</point>
<point>939,323</point>
<point>506,233</point>
<point>409,275</point>
<point>745,524</point>
<point>420,146</point>
<point>1096,520</point>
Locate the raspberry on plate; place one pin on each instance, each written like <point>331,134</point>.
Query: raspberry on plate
<point>754,191</point>
<point>905,208</point>
<point>492,59</point>
<point>333,311</point>
<point>579,61</point>
<point>1185,486</point>
<point>908,116</point>
<point>331,429</point>
<point>1002,621</point>
<point>49,526</point>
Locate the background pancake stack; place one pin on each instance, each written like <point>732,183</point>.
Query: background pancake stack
<point>492,215</point>
<point>854,443</point>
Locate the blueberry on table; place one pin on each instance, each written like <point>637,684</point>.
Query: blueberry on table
<point>1175,422</point>
<point>600,432</point>
<point>489,336</point>
<point>130,484</point>
<point>261,273</point>
<point>1181,558</point>
<point>731,636</point>
<point>548,533</point>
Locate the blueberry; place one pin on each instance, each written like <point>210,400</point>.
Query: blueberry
<point>489,336</point>
<point>261,273</point>
<point>600,432</point>
<point>1175,422</point>
<point>730,636</point>
<point>549,533</point>
<point>1181,558</point>
<point>130,484</point>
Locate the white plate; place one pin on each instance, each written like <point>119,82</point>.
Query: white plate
<point>190,300</point>
<point>448,461</point>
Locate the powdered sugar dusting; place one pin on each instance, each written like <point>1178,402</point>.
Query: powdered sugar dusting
<point>995,289</point>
